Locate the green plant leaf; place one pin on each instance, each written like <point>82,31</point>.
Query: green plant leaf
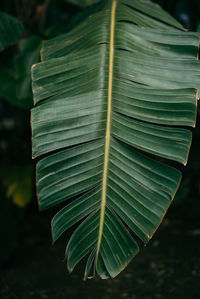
<point>29,53</point>
<point>110,99</point>
<point>15,84</point>
<point>11,30</point>
<point>17,184</point>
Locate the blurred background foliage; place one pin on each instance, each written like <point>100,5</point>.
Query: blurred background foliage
<point>23,26</point>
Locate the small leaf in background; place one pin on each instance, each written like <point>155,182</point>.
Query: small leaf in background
<point>11,30</point>
<point>8,86</point>
<point>18,184</point>
<point>15,84</point>
<point>28,55</point>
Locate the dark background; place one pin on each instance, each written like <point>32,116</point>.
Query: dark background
<point>30,266</point>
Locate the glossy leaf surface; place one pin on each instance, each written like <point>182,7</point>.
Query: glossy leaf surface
<point>109,95</point>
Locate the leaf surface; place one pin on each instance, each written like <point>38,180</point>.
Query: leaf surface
<point>110,99</point>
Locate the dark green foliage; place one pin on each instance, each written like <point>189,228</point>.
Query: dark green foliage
<point>11,30</point>
<point>119,84</point>
<point>155,77</point>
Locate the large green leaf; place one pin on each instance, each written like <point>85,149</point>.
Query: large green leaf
<point>11,30</point>
<point>110,98</point>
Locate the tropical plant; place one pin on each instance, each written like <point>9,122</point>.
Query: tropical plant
<point>110,97</point>
<point>11,30</point>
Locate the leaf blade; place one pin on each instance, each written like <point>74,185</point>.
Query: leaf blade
<point>117,90</point>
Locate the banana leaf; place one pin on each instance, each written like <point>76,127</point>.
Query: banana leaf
<point>113,100</point>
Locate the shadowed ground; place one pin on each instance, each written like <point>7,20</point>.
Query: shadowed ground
<point>169,267</point>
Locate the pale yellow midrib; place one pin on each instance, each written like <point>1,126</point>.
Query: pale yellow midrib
<point>107,138</point>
